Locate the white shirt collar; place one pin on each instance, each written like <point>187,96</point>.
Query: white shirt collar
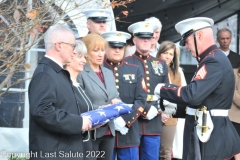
<point>226,53</point>
<point>154,53</point>
<point>54,60</point>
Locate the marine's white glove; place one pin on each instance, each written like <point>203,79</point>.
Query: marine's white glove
<point>170,108</point>
<point>152,113</point>
<point>123,130</point>
<point>157,88</point>
<point>119,124</point>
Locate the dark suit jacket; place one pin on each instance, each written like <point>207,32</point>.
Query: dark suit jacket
<point>234,59</point>
<point>55,121</point>
<point>98,93</point>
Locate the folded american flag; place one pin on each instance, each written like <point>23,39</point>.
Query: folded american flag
<point>105,114</point>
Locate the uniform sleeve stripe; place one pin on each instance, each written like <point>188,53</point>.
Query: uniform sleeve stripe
<point>179,91</point>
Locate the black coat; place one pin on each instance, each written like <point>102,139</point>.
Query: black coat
<point>154,71</point>
<point>234,59</point>
<point>129,79</point>
<point>55,121</point>
<point>213,87</point>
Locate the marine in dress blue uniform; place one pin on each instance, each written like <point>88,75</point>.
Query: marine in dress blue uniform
<point>154,71</point>
<point>212,86</point>
<point>129,81</point>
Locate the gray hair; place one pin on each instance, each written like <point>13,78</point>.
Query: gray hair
<point>54,34</point>
<point>222,30</point>
<point>155,20</point>
<point>80,47</point>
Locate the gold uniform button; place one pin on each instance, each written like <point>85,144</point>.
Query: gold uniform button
<point>147,72</point>
<point>117,80</point>
<point>116,74</point>
<point>148,78</point>
<point>148,84</point>
<point>130,82</point>
<point>145,61</point>
<point>148,91</point>
<point>137,114</point>
<point>133,118</point>
<point>115,68</point>
<point>129,122</point>
<point>140,56</point>
<point>146,66</point>
<point>117,87</point>
<point>144,112</point>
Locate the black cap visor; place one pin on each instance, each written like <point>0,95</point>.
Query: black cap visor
<point>144,34</point>
<point>185,36</point>
<point>117,44</point>
<point>98,19</point>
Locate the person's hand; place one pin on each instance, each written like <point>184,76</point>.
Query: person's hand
<point>104,106</point>
<point>170,108</point>
<point>157,88</point>
<point>152,113</point>
<point>87,124</point>
<point>165,117</point>
<point>115,101</point>
<point>119,122</point>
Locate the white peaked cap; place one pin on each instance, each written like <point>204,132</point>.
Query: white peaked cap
<point>116,38</point>
<point>194,24</point>
<point>142,29</point>
<point>95,13</point>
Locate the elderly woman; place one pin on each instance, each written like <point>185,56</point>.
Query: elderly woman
<point>169,53</point>
<point>74,68</point>
<point>98,83</point>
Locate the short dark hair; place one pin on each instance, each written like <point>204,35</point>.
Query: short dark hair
<point>222,30</point>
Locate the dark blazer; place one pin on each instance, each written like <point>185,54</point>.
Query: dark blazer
<point>234,59</point>
<point>55,121</point>
<point>98,93</point>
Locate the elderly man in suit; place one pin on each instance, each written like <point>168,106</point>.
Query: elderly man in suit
<point>224,37</point>
<point>55,128</point>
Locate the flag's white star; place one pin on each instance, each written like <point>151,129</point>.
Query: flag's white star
<point>118,108</point>
<point>102,113</point>
<point>88,116</point>
<point>107,120</point>
<point>96,122</point>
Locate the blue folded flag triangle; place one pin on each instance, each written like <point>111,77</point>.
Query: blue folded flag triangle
<point>105,114</point>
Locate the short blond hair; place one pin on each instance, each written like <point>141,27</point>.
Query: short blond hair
<point>94,41</point>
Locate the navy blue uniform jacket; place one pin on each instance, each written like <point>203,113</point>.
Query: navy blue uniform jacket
<point>154,71</point>
<point>129,79</point>
<point>213,87</point>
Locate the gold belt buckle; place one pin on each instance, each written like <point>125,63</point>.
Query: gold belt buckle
<point>150,97</point>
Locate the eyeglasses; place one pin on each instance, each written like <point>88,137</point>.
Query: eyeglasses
<point>72,45</point>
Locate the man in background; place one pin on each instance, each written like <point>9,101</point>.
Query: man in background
<point>224,37</point>
<point>97,20</point>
